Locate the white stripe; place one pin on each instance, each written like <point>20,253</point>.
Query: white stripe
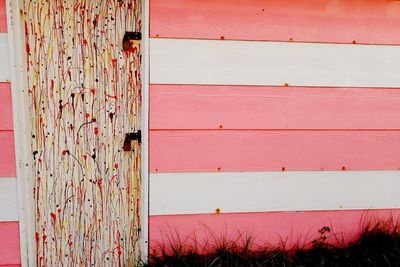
<point>4,67</point>
<point>196,193</point>
<point>180,61</point>
<point>8,199</point>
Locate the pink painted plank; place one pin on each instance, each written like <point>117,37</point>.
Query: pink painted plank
<point>338,21</point>
<point>255,107</point>
<point>7,154</point>
<point>6,117</point>
<point>270,150</point>
<point>3,16</point>
<point>296,228</point>
<point>9,244</point>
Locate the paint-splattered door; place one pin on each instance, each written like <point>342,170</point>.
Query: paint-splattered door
<point>85,95</point>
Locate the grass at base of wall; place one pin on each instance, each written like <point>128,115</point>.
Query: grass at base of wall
<point>377,245</point>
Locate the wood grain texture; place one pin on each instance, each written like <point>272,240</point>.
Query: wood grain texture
<point>9,244</point>
<point>4,67</point>
<point>7,154</point>
<point>182,61</point>
<point>6,116</point>
<point>8,199</point>
<point>294,228</point>
<point>256,107</point>
<point>338,21</point>
<point>197,193</point>
<point>84,95</point>
<point>271,150</point>
<point>3,16</point>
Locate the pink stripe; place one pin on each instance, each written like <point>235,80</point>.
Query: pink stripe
<point>267,228</point>
<point>338,21</point>
<point>3,16</point>
<point>263,150</point>
<point>252,107</point>
<point>9,244</point>
<point>7,154</point>
<point>6,117</point>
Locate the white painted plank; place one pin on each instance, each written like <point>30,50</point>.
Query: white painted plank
<point>4,66</point>
<point>197,193</point>
<point>181,61</point>
<point>8,199</point>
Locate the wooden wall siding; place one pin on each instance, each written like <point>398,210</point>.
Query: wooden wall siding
<point>4,68</point>
<point>85,94</point>
<point>265,107</point>
<point>9,244</point>
<point>293,228</point>
<point>7,155</point>
<point>3,16</point>
<point>9,225</point>
<point>199,193</point>
<point>6,117</point>
<point>337,21</point>
<point>273,150</point>
<point>182,61</point>
<point>8,200</point>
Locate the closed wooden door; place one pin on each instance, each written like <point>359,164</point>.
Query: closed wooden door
<point>85,95</point>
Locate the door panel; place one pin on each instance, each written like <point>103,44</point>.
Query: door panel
<point>85,95</point>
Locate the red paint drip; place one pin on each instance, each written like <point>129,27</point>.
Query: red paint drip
<point>119,248</point>
<point>77,7</point>
<point>28,49</point>
<point>96,130</point>
<point>114,62</point>
<point>116,165</point>
<point>37,237</point>
<point>53,217</point>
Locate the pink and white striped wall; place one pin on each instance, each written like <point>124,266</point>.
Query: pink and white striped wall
<point>9,226</point>
<point>273,118</point>
<point>267,117</point>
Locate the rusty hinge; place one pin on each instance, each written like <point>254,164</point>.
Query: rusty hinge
<point>129,137</point>
<point>130,37</point>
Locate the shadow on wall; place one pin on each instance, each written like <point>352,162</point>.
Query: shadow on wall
<point>376,244</point>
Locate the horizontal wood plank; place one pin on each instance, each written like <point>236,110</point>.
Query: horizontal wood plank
<point>270,150</point>
<point>182,61</point>
<point>257,107</point>
<point>230,192</point>
<point>4,67</point>
<point>8,199</point>
<point>9,244</point>
<point>6,117</point>
<point>338,21</point>
<point>7,154</point>
<point>294,228</point>
<point>3,16</point>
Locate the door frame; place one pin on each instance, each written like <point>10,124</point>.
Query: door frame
<point>22,130</point>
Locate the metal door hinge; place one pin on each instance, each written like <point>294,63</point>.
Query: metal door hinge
<point>129,137</point>
<point>129,38</point>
